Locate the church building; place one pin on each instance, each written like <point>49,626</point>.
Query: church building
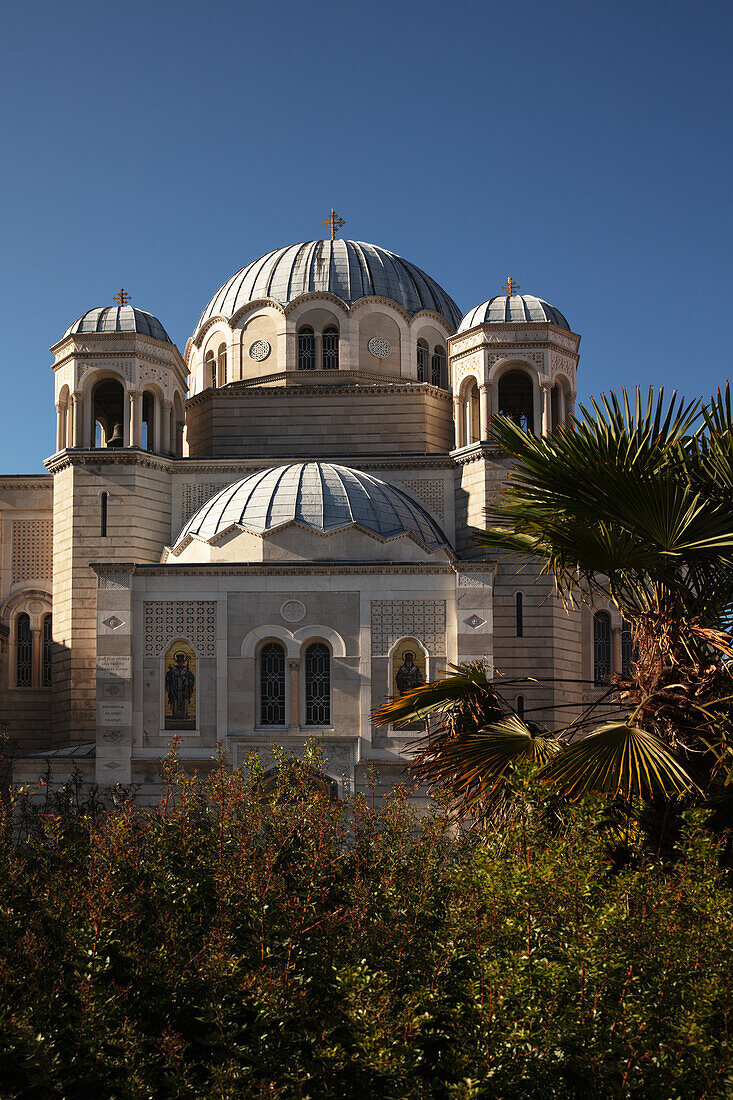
<point>260,539</point>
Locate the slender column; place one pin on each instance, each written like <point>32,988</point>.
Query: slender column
<point>546,388</point>
<point>136,418</point>
<point>616,648</point>
<point>126,410</point>
<point>76,420</point>
<point>484,396</point>
<point>293,667</point>
<point>561,404</point>
<point>165,427</point>
<point>36,652</point>
<point>60,426</point>
<point>457,419</point>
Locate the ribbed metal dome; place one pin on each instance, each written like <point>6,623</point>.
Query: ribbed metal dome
<point>319,495</point>
<point>348,269</point>
<point>119,319</point>
<point>515,307</point>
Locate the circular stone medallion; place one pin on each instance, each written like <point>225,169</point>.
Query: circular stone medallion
<point>259,350</point>
<point>293,611</point>
<point>380,349</point>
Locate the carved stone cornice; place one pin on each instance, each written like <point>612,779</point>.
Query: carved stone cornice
<point>438,460</point>
<point>106,457</point>
<point>477,452</point>
<point>391,389</point>
<point>24,482</point>
<point>279,569</point>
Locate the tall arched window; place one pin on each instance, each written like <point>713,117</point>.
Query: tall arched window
<point>272,685</point>
<point>23,652</point>
<point>148,439</point>
<point>317,685</point>
<point>306,349</point>
<point>519,614</point>
<point>222,360</point>
<point>516,398</point>
<point>108,402</point>
<point>627,647</point>
<point>330,354</point>
<point>46,641</point>
<point>210,370</point>
<point>438,367</point>
<point>422,361</point>
<point>103,500</point>
<point>601,647</point>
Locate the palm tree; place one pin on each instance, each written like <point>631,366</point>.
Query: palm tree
<point>629,502</point>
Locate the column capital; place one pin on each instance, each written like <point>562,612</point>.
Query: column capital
<point>545,383</point>
<point>293,663</point>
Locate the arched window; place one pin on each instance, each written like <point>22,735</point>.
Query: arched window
<point>23,652</point>
<point>306,349</point>
<point>422,361</point>
<point>272,685</point>
<point>103,498</point>
<point>516,398</point>
<point>210,370</point>
<point>627,647</point>
<point>108,402</point>
<point>317,685</point>
<point>519,614</point>
<point>46,641</point>
<point>601,647</point>
<point>148,439</point>
<point>438,367</point>
<point>222,359</point>
<point>330,354</point>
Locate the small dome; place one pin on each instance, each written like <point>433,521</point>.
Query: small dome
<point>348,269</point>
<point>515,307</point>
<point>318,495</point>
<point>119,319</point>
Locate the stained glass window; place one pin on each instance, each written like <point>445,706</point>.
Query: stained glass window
<point>272,685</point>
<point>438,367</point>
<point>24,652</point>
<point>331,348</point>
<point>422,361</point>
<point>601,647</point>
<point>306,349</point>
<point>317,685</point>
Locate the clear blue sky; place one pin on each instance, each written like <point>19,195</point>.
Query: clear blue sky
<point>582,147</point>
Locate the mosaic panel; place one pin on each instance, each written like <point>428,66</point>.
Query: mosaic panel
<point>32,549</point>
<point>194,620</point>
<point>422,619</point>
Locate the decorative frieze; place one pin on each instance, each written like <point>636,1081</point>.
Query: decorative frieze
<point>194,620</point>
<point>115,582</point>
<point>421,619</point>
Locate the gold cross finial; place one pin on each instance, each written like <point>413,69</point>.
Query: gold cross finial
<point>122,297</point>
<point>333,222</point>
<point>510,286</point>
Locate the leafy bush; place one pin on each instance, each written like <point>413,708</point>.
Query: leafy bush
<point>236,943</point>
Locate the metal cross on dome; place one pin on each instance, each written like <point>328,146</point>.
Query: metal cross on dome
<point>122,297</point>
<point>334,223</point>
<point>510,286</point>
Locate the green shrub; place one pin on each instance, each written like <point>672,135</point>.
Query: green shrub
<point>237,944</point>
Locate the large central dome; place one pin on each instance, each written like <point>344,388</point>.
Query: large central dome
<point>348,269</point>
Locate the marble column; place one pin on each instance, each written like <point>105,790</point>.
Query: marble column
<point>76,420</point>
<point>546,388</point>
<point>136,419</point>
<point>60,426</point>
<point>293,668</point>
<point>484,392</point>
<point>458,420</point>
<point>165,426</point>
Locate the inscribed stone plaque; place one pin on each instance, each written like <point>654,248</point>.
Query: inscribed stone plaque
<point>114,714</point>
<point>113,668</point>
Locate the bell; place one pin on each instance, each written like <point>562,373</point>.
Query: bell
<point>115,440</point>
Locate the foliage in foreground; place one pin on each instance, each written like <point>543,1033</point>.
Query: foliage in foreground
<point>229,944</point>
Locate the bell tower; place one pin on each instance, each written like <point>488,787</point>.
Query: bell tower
<point>120,387</point>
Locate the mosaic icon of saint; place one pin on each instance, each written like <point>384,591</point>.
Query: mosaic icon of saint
<point>179,685</point>
<point>408,675</point>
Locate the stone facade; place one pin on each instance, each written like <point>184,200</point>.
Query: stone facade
<point>153,637</point>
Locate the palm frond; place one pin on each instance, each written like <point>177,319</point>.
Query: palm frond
<point>618,760</point>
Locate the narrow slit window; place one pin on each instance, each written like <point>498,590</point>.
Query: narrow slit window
<point>519,613</point>
<point>520,706</point>
<point>103,514</point>
<point>317,685</point>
